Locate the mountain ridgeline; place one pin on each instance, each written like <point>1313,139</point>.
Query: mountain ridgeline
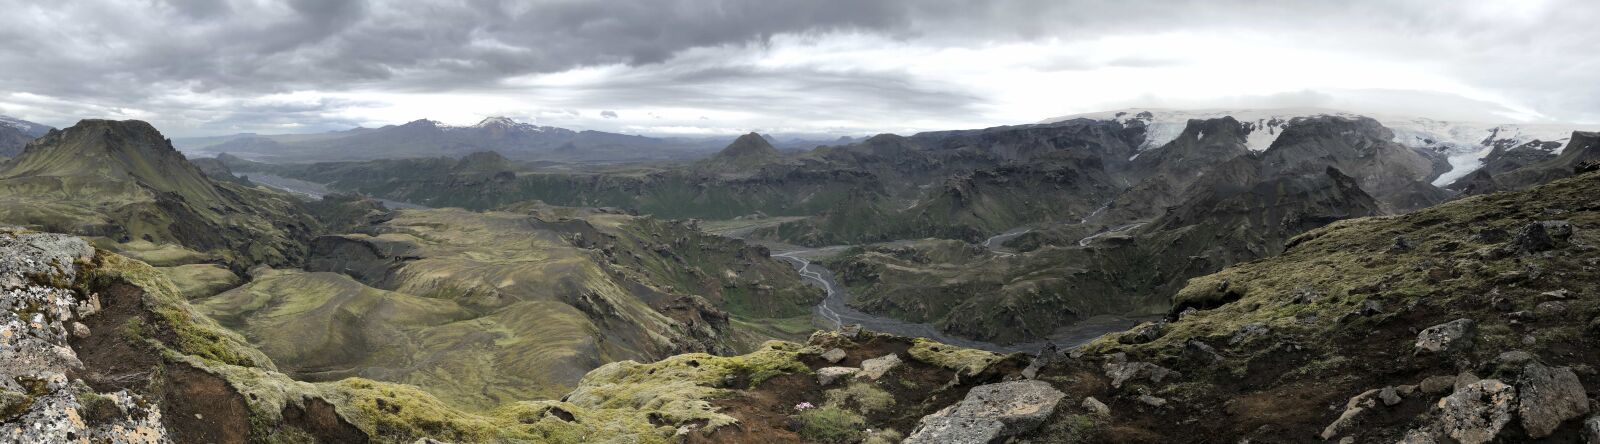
<point>16,133</point>
<point>1314,284</point>
<point>427,138</point>
<point>1110,222</point>
<point>123,182</point>
<point>448,300</point>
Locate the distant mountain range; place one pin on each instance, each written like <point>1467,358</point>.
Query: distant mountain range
<point>16,133</point>
<point>1465,144</point>
<point>428,138</point>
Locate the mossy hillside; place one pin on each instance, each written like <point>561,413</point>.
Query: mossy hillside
<point>1448,259</point>
<point>535,301</point>
<point>196,281</point>
<point>326,326</point>
<point>1338,313</point>
<point>625,402</point>
<point>995,297</point>
<point>678,389</point>
<point>669,193</point>
<point>155,254</point>
<point>1028,295</point>
<point>735,276</point>
<point>171,320</point>
<point>123,181</point>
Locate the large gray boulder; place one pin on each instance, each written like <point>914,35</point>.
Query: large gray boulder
<point>877,367</point>
<point>1549,396</point>
<point>826,376</point>
<point>1123,372</point>
<point>1453,335</point>
<point>1476,414</point>
<point>990,413</point>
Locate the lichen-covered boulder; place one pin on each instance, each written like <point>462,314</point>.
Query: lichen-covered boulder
<point>833,355</point>
<point>1123,372</point>
<point>990,413</point>
<point>1549,396</point>
<point>1448,336</point>
<point>1476,414</point>
<point>826,376</point>
<point>877,367</point>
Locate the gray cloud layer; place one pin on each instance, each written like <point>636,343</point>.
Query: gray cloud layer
<point>204,60</point>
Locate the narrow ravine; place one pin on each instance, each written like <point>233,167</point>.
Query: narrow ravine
<point>835,311</point>
<point>312,189</point>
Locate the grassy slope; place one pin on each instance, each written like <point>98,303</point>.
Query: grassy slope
<point>123,181</point>
<point>485,308</point>
<point>1315,347</point>
<point>622,402</point>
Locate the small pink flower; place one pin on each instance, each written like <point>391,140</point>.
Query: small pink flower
<point>804,406</point>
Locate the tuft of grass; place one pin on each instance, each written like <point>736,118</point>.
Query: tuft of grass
<point>865,396</point>
<point>831,425</point>
<point>885,436</point>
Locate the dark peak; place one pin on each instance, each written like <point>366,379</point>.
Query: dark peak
<point>497,121</point>
<point>112,134</point>
<point>121,150</point>
<point>1225,126</point>
<point>886,138</point>
<point>1353,131</point>
<point>749,146</point>
<point>421,123</point>
<point>483,161</point>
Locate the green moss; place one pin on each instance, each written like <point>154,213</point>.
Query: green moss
<point>197,281</point>
<point>191,332</point>
<point>865,397</point>
<point>885,436</point>
<point>831,425</point>
<point>677,389</point>
<point>97,408</point>
<point>965,361</point>
<point>13,404</point>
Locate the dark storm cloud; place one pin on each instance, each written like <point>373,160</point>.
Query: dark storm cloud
<point>190,57</point>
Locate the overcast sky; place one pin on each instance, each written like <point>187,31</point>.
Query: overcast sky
<point>838,67</point>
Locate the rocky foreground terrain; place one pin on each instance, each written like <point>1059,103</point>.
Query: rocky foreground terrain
<point>1473,321</point>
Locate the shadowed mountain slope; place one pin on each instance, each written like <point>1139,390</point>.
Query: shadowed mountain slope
<point>124,181</point>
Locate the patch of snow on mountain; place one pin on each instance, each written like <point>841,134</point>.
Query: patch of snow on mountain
<point>1465,144</point>
<point>29,128</point>
<point>1164,125</point>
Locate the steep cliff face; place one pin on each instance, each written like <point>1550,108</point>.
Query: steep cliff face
<point>124,181</point>
<point>1397,175</point>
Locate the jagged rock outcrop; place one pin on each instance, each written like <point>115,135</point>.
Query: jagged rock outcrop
<point>41,399</point>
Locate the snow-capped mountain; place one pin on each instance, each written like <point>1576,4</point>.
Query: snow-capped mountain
<point>16,133</point>
<point>1464,143</point>
<point>26,127</point>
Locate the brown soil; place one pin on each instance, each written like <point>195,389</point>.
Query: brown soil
<point>197,406</point>
<point>111,361</point>
<point>320,420</point>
